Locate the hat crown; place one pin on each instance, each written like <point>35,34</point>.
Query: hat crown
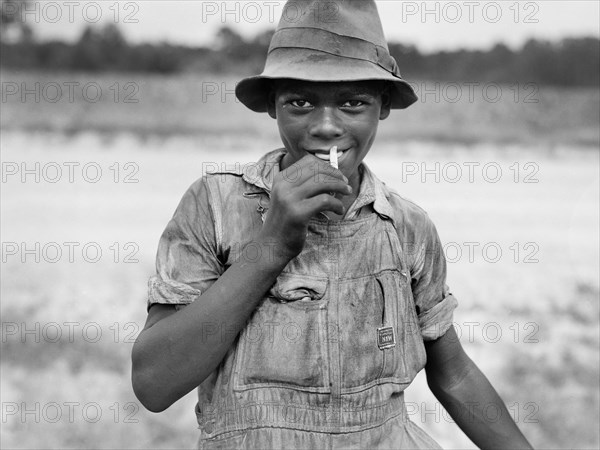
<point>351,18</point>
<point>327,41</point>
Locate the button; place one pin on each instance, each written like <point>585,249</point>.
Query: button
<point>209,427</point>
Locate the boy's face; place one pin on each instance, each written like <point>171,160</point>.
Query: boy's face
<point>314,116</point>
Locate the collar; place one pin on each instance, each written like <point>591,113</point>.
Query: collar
<point>371,190</point>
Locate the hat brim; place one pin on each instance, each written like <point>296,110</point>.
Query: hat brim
<point>312,65</point>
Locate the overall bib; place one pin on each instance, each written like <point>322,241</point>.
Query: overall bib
<point>325,358</point>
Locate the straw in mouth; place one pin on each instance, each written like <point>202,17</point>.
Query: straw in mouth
<point>333,158</point>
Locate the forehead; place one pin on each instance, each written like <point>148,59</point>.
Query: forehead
<point>368,87</point>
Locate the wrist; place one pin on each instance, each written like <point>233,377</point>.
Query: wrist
<point>267,252</point>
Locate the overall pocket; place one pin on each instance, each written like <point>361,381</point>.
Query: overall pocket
<point>285,342</point>
<point>396,292</point>
<point>368,304</point>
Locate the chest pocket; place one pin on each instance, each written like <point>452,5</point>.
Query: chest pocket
<point>285,342</point>
<point>369,307</point>
<point>370,303</point>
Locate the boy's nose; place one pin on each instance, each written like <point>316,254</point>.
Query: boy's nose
<point>326,124</point>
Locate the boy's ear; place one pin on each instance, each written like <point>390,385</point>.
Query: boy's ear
<point>271,103</point>
<point>386,103</point>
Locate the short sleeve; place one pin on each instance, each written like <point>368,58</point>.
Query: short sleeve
<point>435,304</point>
<point>187,261</point>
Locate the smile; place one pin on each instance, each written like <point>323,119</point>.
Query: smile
<point>325,155</point>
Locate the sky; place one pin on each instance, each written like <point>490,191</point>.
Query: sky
<point>430,25</point>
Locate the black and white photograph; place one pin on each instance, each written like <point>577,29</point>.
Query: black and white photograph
<point>300,224</point>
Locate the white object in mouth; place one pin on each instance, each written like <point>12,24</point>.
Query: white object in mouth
<point>327,156</point>
<point>333,157</point>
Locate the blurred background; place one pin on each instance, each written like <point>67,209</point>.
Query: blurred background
<point>110,110</point>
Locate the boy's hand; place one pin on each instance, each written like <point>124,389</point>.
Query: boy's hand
<point>300,192</point>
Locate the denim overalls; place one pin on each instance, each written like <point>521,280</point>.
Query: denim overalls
<point>325,358</point>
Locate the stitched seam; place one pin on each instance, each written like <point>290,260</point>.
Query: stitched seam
<point>215,206</point>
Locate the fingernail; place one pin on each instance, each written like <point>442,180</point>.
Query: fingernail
<point>349,189</point>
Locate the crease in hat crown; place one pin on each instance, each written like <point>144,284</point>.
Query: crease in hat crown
<point>332,41</point>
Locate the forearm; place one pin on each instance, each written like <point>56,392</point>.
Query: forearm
<point>173,356</point>
<point>478,410</point>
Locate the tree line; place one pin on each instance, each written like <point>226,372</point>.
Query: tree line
<point>569,62</point>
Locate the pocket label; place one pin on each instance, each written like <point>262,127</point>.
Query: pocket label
<point>386,337</point>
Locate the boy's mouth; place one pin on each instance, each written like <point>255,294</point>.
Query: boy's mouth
<point>324,154</point>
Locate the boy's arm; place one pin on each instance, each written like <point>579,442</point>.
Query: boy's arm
<point>177,350</point>
<point>465,392</point>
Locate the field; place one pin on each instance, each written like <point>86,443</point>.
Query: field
<point>513,188</point>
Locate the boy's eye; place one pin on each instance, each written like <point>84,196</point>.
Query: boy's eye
<point>301,103</point>
<point>353,103</point>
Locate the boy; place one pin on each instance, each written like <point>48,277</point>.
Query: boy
<point>335,284</point>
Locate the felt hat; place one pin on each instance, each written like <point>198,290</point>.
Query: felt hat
<point>338,40</point>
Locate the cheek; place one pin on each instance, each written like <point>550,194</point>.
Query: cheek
<point>289,129</point>
<point>366,131</point>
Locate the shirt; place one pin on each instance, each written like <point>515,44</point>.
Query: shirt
<point>325,358</point>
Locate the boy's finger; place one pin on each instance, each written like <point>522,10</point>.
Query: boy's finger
<point>323,202</point>
<point>323,167</point>
<point>312,167</point>
<point>311,188</point>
